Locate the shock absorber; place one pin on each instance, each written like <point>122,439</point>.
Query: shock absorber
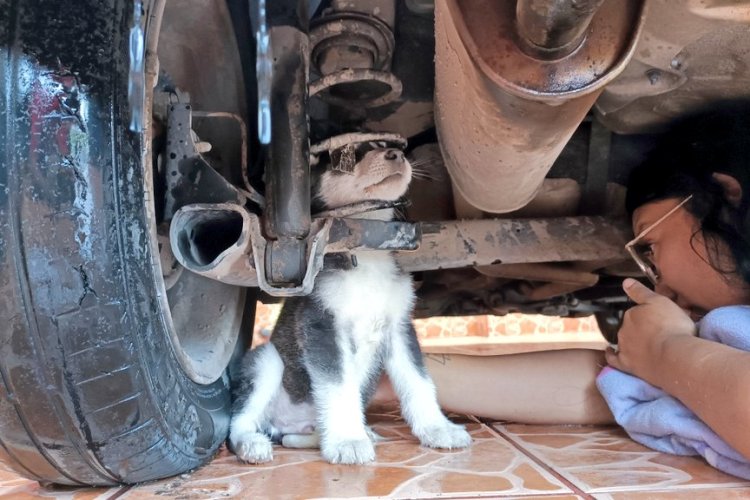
<point>287,214</point>
<point>352,48</point>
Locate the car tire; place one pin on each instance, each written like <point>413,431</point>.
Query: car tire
<point>93,390</point>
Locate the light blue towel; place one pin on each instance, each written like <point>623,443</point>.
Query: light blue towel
<point>657,420</point>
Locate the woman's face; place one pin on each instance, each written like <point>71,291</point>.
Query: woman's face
<point>685,273</point>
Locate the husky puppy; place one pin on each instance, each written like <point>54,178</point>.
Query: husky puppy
<point>310,385</point>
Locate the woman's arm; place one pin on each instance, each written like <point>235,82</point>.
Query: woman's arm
<point>657,343</point>
<point>546,387</point>
<point>711,379</point>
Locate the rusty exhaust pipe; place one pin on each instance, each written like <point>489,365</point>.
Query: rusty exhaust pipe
<point>550,29</point>
<point>514,79</point>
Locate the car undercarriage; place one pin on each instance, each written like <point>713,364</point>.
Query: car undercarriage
<point>524,117</point>
<point>155,177</point>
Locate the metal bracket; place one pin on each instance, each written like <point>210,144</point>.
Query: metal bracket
<point>353,234</point>
<point>316,252</point>
<point>190,179</point>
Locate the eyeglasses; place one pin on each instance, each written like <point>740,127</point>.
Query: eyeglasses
<point>641,253</point>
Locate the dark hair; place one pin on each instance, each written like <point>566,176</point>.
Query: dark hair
<point>714,139</point>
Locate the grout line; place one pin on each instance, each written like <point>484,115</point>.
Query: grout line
<point>575,489</point>
<point>120,492</point>
<point>680,488</point>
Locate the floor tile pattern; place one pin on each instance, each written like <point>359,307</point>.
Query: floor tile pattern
<point>603,461</point>
<point>505,461</point>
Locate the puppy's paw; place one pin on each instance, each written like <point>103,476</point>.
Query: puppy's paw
<point>444,435</point>
<point>253,447</point>
<point>354,451</point>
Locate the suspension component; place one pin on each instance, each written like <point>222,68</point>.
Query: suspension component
<point>287,213</point>
<point>224,242</point>
<point>352,49</point>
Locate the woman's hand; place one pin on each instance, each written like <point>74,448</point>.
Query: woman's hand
<point>646,328</point>
<point>657,343</point>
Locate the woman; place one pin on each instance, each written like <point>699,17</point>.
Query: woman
<point>698,258</point>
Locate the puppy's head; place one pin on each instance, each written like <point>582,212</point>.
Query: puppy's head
<point>362,172</point>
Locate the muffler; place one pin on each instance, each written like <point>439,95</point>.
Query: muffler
<point>514,79</point>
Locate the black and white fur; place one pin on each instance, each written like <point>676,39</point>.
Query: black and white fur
<point>311,384</point>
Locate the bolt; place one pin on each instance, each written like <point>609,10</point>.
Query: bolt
<point>653,75</point>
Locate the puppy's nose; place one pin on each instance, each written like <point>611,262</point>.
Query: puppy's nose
<point>393,154</point>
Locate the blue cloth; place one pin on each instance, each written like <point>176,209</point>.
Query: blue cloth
<point>657,420</point>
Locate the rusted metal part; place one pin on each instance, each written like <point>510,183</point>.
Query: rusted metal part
<point>550,29</point>
<point>486,31</point>
<point>552,272</point>
<point>240,259</point>
<point>193,230</point>
<point>334,36</point>
<point>190,179</point>
<point>240,255</point>
<point>502,116</point>
<point>193,302</point>
<point>579,277</point>
<point>691,53</point>
<point>283,262</point>
<point>510,241</point>
<point>443,245</point>
<point>542,281</point>
<point>224,242</point>
<point>314,263</point>
<point>288,174</point>
<point>324,86</point>
<point>352,49</point>
<point>556,278</point>
<point>355,234</point>
<point>287,215</point>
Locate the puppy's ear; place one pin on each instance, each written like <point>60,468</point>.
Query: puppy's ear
<point>731,187</point>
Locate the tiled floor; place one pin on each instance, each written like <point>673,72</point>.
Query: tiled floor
<point>505,461</point>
